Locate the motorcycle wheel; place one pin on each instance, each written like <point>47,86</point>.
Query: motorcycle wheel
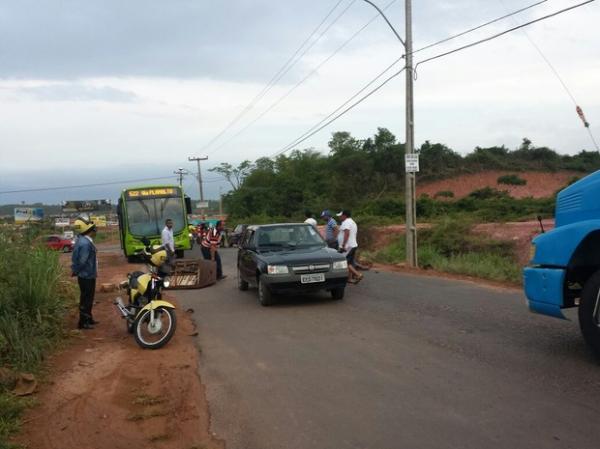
<point>155,335</point>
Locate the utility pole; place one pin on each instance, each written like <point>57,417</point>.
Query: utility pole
<point>410,191</point>
<point>220,203</point>
<point>180,172</point>
<point>198,159</point>
<point>411,203</point>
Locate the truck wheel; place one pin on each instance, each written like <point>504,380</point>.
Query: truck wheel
<point>264,294</point>
<point>589,312</point>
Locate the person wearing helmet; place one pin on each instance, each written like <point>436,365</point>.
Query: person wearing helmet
<point>85,267</point>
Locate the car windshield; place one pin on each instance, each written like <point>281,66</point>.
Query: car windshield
<point>288,237</point>
<point>147,216</point>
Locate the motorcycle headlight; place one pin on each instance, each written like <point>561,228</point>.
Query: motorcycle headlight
<point>340,265</point>
<point>277,269</point>
<point>166,283</point>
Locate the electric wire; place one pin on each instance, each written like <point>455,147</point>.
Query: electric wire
<point>285,68</point>
<point>502,33</point>
<point>302,81</point>
<point>556,74</point>
<point>345,111</point>
<point>98,184</point>
<point>313,130</point>
<point>470,30</point>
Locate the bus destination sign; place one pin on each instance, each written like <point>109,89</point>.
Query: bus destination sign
<point>159,192</point>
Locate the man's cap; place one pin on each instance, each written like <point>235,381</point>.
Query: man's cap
<point>326,213</point>
<point>345,212</point>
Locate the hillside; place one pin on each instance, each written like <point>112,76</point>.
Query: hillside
<point>539,184</point>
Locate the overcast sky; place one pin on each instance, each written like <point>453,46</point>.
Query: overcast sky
<point>94,91</point>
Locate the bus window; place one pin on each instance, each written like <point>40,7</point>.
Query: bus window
<point>173,209</point>
<point>141,217</point>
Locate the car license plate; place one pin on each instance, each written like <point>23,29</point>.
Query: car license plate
<point>312,278</point>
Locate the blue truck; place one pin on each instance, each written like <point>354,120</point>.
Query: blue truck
<point>565,267</point>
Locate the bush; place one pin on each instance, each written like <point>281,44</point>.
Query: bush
<point>512,180</point>
<point>444,194</point>
<point>450,246</point>
<point>488,193</point>
<point>33,299</point>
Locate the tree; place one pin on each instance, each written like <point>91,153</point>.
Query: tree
<point>234,175</point>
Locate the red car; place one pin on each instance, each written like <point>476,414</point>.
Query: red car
<point>59,243</point>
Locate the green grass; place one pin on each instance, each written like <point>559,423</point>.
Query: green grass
<point>34,297</point>
<point>450,247</point>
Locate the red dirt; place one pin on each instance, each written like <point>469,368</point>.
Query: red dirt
<point>104,392</point>
<point>539,184</point>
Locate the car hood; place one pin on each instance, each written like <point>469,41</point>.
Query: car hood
<point>301,256</point>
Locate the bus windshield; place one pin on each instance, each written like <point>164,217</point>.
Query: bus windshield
<point>147,216</point>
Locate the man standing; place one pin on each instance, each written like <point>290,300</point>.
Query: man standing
<point>347,240</point>
<point>85,267</point>
<point>310,219</point>
<point>210,247</point>
<point>330,229</point>
<point>167,240</point>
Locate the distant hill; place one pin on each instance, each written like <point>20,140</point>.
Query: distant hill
<point>538,184</point>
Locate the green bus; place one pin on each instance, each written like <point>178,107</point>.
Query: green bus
<point>142,212</point>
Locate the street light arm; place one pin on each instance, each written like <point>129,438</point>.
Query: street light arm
<point>386,19</point>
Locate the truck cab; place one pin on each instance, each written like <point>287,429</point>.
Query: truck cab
<point>565,268</point>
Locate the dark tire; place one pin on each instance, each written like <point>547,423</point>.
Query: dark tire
<point>132,259</point>
<point>145,337</point>
<point>589,312</point>
<point>264,294</point>
<point>129,327</point>
<point>338,293</point>
<point>179,253</point>
<point>242,284</point>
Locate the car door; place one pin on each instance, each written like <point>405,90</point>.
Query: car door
<point>247,255</point>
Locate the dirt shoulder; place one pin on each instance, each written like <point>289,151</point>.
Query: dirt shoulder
<point>104,392</point>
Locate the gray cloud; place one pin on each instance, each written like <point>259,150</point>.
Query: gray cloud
<point>235,40</point>
<point>78,92</point>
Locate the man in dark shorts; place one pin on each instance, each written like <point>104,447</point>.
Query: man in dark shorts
<point>347,240</point>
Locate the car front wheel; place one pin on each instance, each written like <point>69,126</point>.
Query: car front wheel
<point>242,284</point>
<point>338,293</point>
<point>264,294</point>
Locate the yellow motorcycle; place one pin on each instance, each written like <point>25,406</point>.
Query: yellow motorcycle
<point>151,320</point>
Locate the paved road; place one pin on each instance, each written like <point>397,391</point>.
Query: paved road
<point>402,362</point>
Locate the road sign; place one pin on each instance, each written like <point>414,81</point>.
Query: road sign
<point>202,204</point>
<point>411,162</point>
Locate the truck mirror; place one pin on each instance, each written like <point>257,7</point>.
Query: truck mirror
<point>188,205</point>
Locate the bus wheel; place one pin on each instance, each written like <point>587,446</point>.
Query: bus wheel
<point>589,312</point>
<point>179,253</point>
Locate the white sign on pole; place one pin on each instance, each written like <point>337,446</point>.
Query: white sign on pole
<point>411,162</point>
<point>202,205</point>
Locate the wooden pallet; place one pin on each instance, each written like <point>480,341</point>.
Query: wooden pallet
<point>192,273</point>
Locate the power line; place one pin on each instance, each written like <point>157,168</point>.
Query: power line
<point>487,39</point>
<point>295,141</point>
<point>311,73</point>
<point>316,128</point>
<point>345,111</point>
<point>558,77</point>
<point>470,30</point>
<point>292,60</point>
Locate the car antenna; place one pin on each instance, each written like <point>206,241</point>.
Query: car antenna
<point>539,217</point>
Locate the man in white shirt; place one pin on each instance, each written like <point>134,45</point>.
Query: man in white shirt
<point>310,219</point>
<point>347,241</point>
<point>167,239</point>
